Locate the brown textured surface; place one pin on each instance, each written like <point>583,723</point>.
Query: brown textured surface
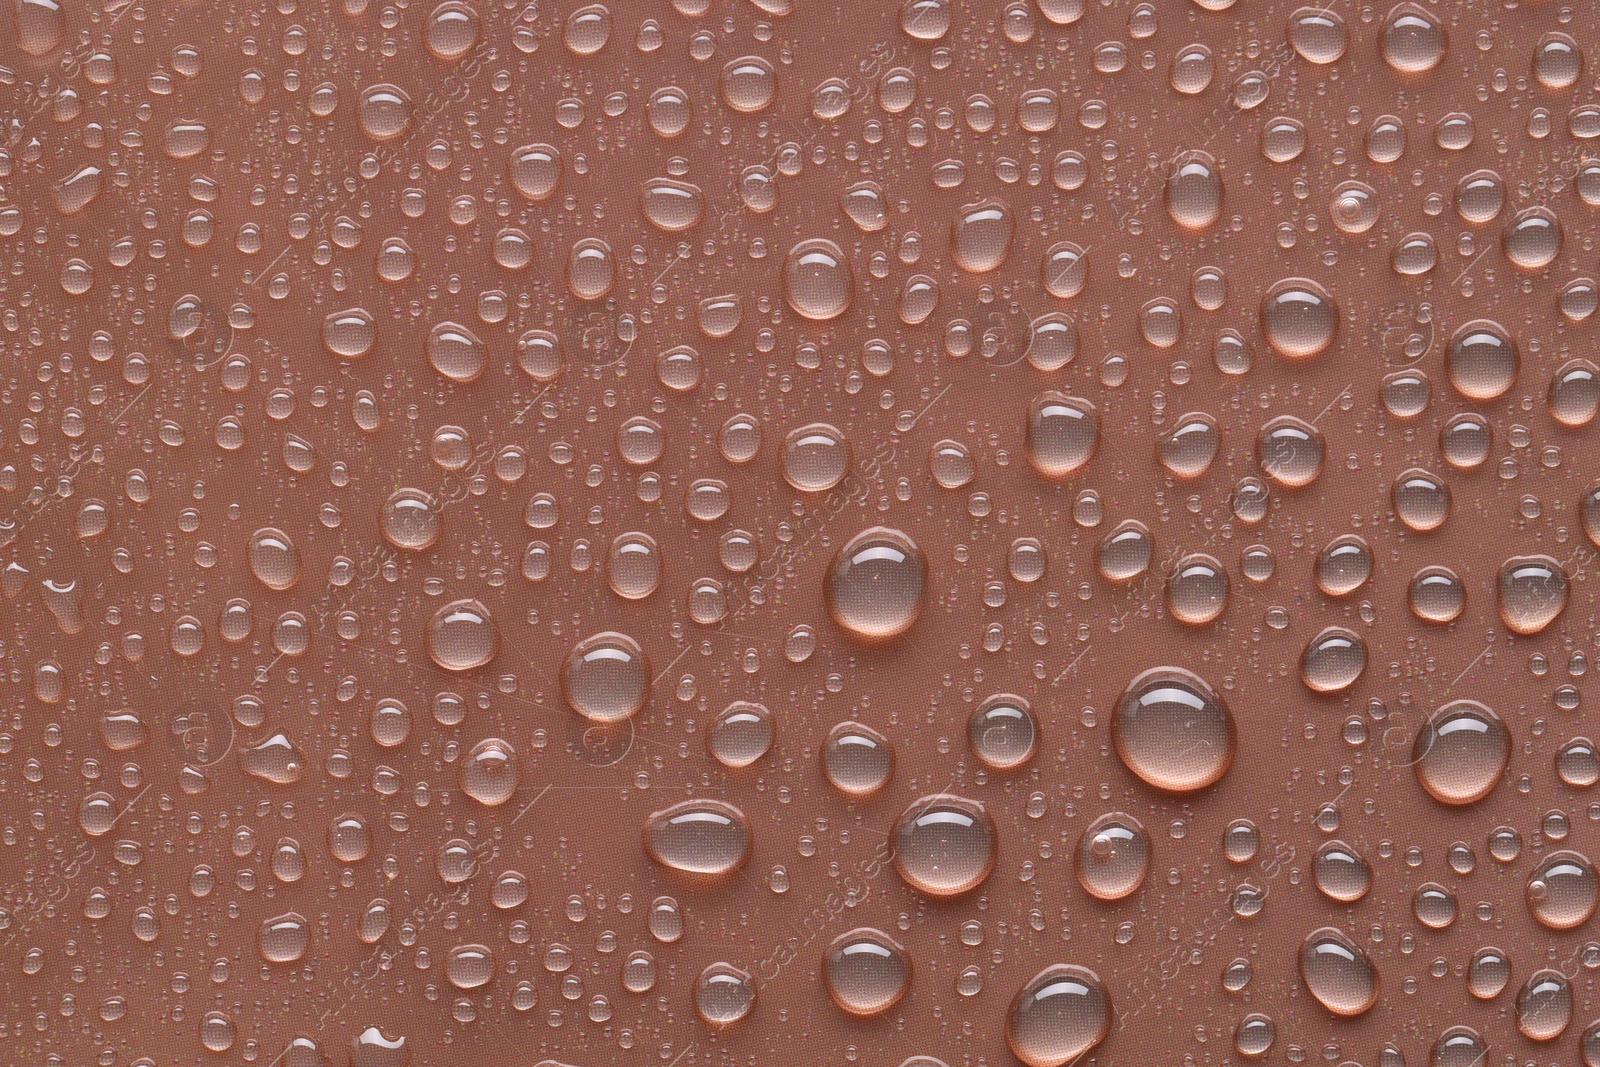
<point>145,439</point>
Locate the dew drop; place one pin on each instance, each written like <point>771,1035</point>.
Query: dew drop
<point>1337,973</point>
<point>1461,752</point>
<point>698,837</point>
<point>874,586</point>
<point>866,972</point>
<point>1057,1016</point>
<point>944,845</point>
<point>1113,856</point>
<point>1173,731</point>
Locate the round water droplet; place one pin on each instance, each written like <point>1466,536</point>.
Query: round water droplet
<point>1533,240</point>
<point>945,845</point>
<point>817,280</point>
<point>981,235</point>
<point>452,30</point>
<point>749,84</point>
<point>462,636</point>
<point>456,353</point>
<point>1354,207</point>
<point>1421,500</point>
<point>1254,1035</point>
<point>1434,906</point>
<point>1194,190</point>
<point>1290,451</point>
<point>1337,973</point>
<point>1124,553</point>
<point>274,559</point>
<point>815,458</point>
<point>587,30</point>
<point>1574,394</point>
<point>1062,433</point>
<point>1480,195</point>
<point>1173,731</point>
<point>1065,270</point>
<point>1052,341</point>
<point>350,333</point>
<point>1533,592</point>
<point>489,773</point>
<point>535,170</point>
<point>1318,34</point>
<point>1113,856</point>
<point>1197,590</point>
<point>856,759</point>
<point>952,466</point>
<point>1578,763</point>
<point>384,112</point>
<point>1003,732</point>
<point>866,971</point>
<point>285,938</point>
<point>1333,660</point>
<point>741,734</point>
<point>1488,973</point>
<point>1459,1046</point>
<point>1461,752</point>
<point>1299,318</point>
<point>1481,360</point>
<point>723,994</point>
<point>1344,565</point>
<point>606,678</point>
<point>410,520</point>
<point>1562,890</point>
<point>672,206</point>
<point>1465,439</point>
<point>469,966</point>
<point>1437,595</point>
<point>1341,873</point>
<point>1283,139</point>
<point>1188,448</point>
<point>1412,40</point>
<point>874,586</point>
<point>633,566</point>
<point>1544,1005</point>
<point>591,269</point>
<point>1057,1016</point>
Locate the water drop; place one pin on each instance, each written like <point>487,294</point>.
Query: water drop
<point>1173,731</point>
<point>874,586</point>
<point>1337,973</point>
<point>944,845</point>
<point>1461,752</point>
<point>1057,1016</point>
<point>1113,856</point>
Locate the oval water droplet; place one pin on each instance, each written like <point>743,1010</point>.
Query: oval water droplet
<point>1338,973</point>
<point>708,838</point>
<point>874,586</point>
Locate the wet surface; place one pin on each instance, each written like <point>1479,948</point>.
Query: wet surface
<point>923,533</point>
